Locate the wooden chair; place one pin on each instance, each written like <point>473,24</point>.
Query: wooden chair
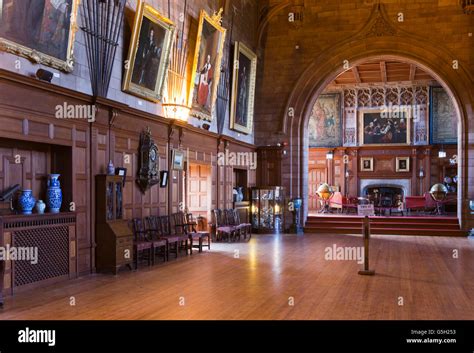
<point>223,231</point>
<point>141,242</point>
<point>169,232</point>
<point>164,232</point>
<point>181,229</point>
<point>191,227</point>
<point>232,222</point>
<point>245,227</point>
<point>153,227</point>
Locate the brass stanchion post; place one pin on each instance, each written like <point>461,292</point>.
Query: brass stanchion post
<point>366,271</point>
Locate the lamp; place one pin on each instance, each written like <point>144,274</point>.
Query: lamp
<point>176,111</point>
<point>174,101</point>
<point>442,153</point>
<point>467,6</point>
<point>421,175</point>
<point>330,155</point>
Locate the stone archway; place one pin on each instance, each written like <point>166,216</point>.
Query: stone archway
<point>379,41</point>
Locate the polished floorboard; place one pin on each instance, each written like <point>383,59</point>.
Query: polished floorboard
<point>274,277</point>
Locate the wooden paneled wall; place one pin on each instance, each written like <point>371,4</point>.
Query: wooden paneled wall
<point>322,170</point>
<point>80,150</point>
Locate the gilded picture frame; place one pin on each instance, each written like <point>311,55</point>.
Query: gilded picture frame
<point>402,164</point>
<point>206,66</point>
<point>393,135</point>
<point>148,58</point>
<point>243,89</point>
<point>39,42</point>
<point>366,164</point>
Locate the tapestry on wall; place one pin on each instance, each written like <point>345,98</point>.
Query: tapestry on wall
<point>443,118</point>
<point>325,123</point>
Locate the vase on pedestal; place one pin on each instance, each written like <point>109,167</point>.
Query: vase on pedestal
<point>26,202</point>
<point>54,196</point>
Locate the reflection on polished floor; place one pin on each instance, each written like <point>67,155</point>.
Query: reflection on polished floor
<point>432,276</point>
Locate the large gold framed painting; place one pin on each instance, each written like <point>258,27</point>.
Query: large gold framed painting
<point>40,30</point>
<point>148,56</point>
<point>243,89</point>
<point>206,65</point>
<point>377,127</point>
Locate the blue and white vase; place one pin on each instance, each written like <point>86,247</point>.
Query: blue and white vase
<point>40,206</point>
<point>110,168</point>
<point>54,195</point>
<point>26,202</point>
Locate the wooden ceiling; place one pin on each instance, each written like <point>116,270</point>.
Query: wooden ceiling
<point>382,72</point>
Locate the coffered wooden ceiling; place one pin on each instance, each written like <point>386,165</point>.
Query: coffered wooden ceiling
<point>374,72</point>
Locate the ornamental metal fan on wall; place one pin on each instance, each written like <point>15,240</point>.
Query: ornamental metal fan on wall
<point>149,173</point>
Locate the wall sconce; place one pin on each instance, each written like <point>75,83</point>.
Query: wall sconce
<point>348,174</point>
<point>421,173</point>
<point>176,111</point>
<point>330,155</point>
<point>467,6</point>
<point>442,153</point>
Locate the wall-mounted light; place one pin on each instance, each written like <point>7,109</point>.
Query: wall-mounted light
<point>442,152</point>
<point>176,111</point>
<point>421,173</point>
<point>330,155</point>
<point>348,174</point>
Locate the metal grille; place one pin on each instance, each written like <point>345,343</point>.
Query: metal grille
<point>53,254</point>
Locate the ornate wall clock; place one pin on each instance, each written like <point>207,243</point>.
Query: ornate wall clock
<point>149,173</point>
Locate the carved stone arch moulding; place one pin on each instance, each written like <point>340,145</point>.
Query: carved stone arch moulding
<point>420,51</point>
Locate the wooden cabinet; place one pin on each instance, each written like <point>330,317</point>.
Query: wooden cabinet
<point>113,236</point>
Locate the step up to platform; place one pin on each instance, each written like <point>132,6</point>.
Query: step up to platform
<point>408,225</point>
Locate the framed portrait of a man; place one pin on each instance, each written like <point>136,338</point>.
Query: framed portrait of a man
<point>402,164</point>
<point>243,89</point>
<point>40,30</point>
<point>366,164</point>
<point>206,65</point>
<point>148,57</point>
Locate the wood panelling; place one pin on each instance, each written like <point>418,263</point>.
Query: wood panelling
<point>80,150</point>
<point>333,172</point>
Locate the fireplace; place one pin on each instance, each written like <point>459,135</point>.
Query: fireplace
<point>385,193</point>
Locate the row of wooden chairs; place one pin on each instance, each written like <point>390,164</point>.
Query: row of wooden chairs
<point>161,235</point>
<point>227,226</point>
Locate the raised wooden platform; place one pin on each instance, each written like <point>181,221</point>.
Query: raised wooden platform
<point>407,225</point>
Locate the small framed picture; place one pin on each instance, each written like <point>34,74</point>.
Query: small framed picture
<point>402,164</point>
<point>177,159</point>
<point>367,164</point>
<point>121,172</point>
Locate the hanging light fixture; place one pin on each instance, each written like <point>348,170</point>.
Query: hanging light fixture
<point>175,99</point>
<point>467,6</point>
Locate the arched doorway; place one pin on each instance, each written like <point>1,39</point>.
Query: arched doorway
<point>378,113</point>
<point>327,66</point>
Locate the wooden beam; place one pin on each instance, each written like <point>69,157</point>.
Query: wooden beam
<point>355,71</point>
<point>383,71</point>
<point>412,72</point>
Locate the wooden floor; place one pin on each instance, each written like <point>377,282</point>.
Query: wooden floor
<point>271,269</point>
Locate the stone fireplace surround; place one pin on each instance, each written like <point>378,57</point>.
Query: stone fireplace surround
<point>404,184</point>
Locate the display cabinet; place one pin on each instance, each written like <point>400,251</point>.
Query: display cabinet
<point>267,209</point>
<point>113,236</point>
